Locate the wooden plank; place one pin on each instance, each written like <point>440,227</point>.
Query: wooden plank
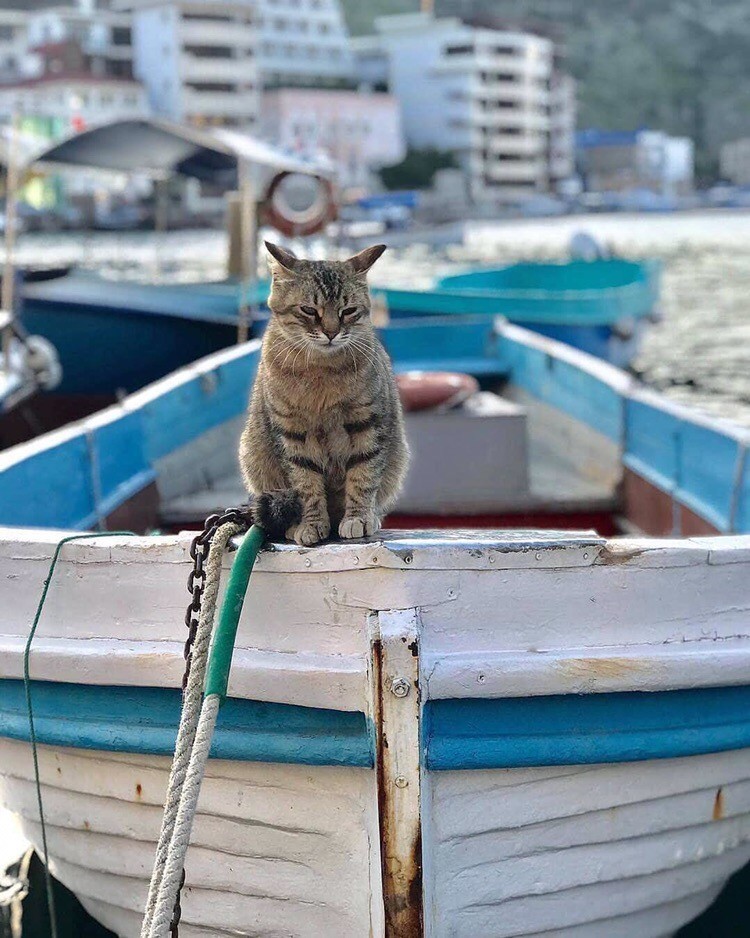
<point>396,693</point>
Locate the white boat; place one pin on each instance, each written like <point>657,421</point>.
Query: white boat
<point>451,733</point>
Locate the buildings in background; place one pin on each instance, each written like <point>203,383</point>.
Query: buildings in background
<point>13,25</point>
<point>359,130</point>
<point>302,42</point>
<point>616,161</point>
<point>198,61</point>
<point>734,162</point>
<point>495,98</point>
<point>67,66</point>
<point>103,36</point>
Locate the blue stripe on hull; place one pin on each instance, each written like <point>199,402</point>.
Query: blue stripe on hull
<point>585,729</point>
<point>145,719</point>
<point>457,734</point>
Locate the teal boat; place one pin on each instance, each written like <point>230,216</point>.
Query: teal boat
<point>598,306</point>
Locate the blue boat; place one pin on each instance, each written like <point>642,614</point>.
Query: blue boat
<point>599,306</point>
<point>141,331</point>
<point>116,336</point>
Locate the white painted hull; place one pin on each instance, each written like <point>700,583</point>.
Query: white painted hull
<point>292,850</point>
<point>276,850</point>
<point>635,846</point>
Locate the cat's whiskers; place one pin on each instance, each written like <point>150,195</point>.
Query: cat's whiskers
<point>288,346</point>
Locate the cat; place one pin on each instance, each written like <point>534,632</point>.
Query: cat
<point>324,447</point>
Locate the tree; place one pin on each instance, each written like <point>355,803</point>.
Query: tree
<point>417,169</point>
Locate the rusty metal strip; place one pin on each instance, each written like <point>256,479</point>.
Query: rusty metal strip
<point>395,666</point>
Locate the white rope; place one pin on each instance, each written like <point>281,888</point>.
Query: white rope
<point>189,718</point>
<point>183,827</point>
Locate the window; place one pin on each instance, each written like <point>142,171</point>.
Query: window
<point>210,52</point>
<point>210,86</point>
<point>505,50</point>
<point>206,17</point>
<point>121,36</point>
<point>459,50</point>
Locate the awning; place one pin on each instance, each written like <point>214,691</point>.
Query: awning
<point>161,148</point>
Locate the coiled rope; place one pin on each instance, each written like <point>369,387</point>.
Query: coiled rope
<point>198,721</point>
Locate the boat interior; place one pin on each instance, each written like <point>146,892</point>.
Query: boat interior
<point>554,439</point>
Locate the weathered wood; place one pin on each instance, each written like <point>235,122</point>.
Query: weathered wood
<point>396,688</point>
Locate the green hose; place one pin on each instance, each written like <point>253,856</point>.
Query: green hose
<point>222,647</point>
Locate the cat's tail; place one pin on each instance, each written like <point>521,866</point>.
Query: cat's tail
<point>277,511</point>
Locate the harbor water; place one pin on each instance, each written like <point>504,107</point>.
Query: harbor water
<point>699,354</point>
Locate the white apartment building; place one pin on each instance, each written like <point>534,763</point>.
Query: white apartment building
<point>563,112</point>
<point>483,94</point>
<point>12,41</point>
<point>197,59</point>
<point>359,131</point>
<point>103,35</point>
<point>302,42</point>
<point>57,105</point>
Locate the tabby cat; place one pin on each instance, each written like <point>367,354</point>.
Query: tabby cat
<point>324,445</point>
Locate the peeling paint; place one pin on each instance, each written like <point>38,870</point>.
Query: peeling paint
<point>601,667</point>
<point>612,555</point>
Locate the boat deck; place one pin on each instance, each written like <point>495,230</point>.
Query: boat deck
<point>554,487</point>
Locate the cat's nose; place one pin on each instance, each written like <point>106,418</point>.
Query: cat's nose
<point>331,333</point>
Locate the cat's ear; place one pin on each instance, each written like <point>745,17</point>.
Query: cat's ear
<point>363,261</point>
<point>281,260</point>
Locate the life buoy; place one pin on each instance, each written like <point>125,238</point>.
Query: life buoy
<point>293,222</point>
<point>426,390</point>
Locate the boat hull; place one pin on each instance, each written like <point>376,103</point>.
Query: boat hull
<point>582,762</point>
<point>115,338</point>
<point>583,852</point>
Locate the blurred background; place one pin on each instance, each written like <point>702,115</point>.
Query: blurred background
<point>460,131</point>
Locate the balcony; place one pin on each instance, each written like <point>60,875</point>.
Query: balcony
<point>198,68</point>
<point>514,172</point>
<point>209,104</point>
<point>213,33</point>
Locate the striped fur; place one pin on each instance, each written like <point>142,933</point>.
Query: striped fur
<point>324,446</point>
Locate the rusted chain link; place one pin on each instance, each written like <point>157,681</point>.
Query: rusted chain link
<point>197,579</point>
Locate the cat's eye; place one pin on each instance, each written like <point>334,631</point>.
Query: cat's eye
<point>349,311</point>
<point>308,310</point>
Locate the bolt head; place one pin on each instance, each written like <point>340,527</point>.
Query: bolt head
<point>400,687</point>
<point>400,782</point>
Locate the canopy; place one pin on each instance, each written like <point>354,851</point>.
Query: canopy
<point>162,148</point>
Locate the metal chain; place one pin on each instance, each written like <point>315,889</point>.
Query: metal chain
<point>196,584</point>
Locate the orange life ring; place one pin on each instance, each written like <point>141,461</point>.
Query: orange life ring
<point>425,390</point>
<point>299,224</point>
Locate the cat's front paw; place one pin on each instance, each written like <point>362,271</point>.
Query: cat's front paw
<point>359,526</point>
<point>309,533</point>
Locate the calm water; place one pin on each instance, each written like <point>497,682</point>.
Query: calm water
<point>699,354</point>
